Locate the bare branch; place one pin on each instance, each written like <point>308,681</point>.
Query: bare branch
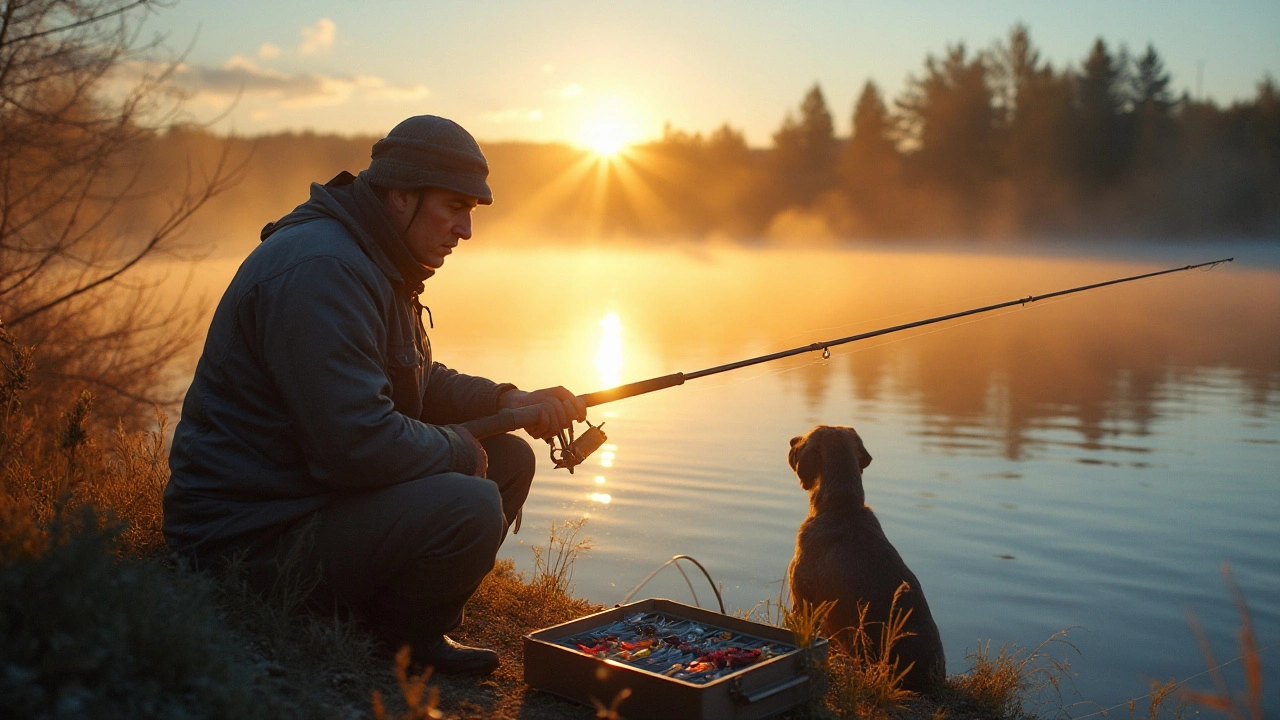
<point>77,215</point>
<point>81,23</point>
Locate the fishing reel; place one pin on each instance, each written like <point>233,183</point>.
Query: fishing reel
<point>572,452</point>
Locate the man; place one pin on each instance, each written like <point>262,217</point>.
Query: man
<point>318,429</point>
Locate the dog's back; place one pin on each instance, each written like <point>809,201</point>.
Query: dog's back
<point>842,554</point>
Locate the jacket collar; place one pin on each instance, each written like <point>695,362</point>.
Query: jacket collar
<point>351,200</point>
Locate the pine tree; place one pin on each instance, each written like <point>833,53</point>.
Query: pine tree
<point>1102,139</point>
<point>804,150</point>
<point>870,167</point>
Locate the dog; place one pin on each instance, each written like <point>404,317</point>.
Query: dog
<point>842,555</point>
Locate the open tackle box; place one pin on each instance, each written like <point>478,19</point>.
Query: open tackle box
<point>677,661</point>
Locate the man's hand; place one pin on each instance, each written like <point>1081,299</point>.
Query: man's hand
<point>482,457</point>
<point>559,409</point>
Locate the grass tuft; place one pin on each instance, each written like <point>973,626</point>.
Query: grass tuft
<point>553,565</point>
<point>864,677</point>
<point>420,699</point>
<point>610,711</point>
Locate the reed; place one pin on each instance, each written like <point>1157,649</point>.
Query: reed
<point>1245,704</point>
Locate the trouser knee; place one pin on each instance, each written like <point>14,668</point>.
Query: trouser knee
<point>475,525</point>
<point>511,466</point>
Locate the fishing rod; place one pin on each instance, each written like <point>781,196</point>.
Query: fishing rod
<point>571,452</point>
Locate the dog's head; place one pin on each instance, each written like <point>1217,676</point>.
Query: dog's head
<point>829,461</point>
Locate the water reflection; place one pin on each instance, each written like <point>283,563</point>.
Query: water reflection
<point>608,452</point>
<point>609,356</point>
<point>1099,364</point>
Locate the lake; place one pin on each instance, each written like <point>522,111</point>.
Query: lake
<point>1088,462</point>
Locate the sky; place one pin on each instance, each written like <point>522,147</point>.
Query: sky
<point>591,72</point>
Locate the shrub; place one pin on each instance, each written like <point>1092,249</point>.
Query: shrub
<point>85,632</point>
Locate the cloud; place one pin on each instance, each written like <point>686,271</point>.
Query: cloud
<point>266,51</point>
<point>318,38</point>
<point>241,77</point>
<point>568,92</point>
<point>513,115</point>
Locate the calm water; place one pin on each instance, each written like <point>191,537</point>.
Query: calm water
<point>1086,463</point>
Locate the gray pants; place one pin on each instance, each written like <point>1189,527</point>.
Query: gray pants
<point>406,558</point>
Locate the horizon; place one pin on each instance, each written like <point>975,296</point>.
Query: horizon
<point>576,73</point>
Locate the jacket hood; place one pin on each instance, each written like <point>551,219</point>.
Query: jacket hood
<point>351,201</point>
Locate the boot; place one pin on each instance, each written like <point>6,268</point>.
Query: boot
<point>451,658</point>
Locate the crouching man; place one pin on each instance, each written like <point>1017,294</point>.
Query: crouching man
<point>318,427</point>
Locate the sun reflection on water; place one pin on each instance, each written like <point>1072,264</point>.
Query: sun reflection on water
<point>609,356</point>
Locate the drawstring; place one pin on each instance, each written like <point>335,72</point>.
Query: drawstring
<point>416,207</point>
<point>419,307</point>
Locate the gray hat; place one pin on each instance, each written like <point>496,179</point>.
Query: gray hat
<point>430,151</point>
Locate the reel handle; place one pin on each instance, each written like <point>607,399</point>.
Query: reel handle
<point>571,452</point>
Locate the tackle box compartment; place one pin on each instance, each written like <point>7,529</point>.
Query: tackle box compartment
<point>756,691</point>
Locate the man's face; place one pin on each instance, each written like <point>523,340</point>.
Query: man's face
<point>443,220</point>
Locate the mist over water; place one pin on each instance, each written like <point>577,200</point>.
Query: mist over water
<point>1085,463</point>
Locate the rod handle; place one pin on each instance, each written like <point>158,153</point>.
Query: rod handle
<point>504,421</point>
<point>631,389</point>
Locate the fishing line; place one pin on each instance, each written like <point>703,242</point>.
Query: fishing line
<point>932,307</point>
<point>863,348</point>
<point>1029,303</point>
<point>1179,684</point>
<point>918,310</point>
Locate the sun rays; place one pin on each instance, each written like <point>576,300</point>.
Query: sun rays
<point>609,126</point>
<point>609,179</point>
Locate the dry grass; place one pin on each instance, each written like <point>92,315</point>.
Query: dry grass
<point>861,680</point>
<point>553,565</point>
<point>55,467</point>
<point>420,700</point>
<point>865,679</point>
<point>1004,684</point>
<point>1245,705</point>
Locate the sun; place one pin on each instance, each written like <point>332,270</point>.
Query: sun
<point>609,126</point>
<point>606,137</point>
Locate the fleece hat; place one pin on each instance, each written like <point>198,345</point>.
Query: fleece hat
<point>429,151</point>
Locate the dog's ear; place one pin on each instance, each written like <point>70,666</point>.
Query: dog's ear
<point>806,461</point>
<point>864,457</point>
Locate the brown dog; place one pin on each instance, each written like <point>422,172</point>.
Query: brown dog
<point>842,554</point>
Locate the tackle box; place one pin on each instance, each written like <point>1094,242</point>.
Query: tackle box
<point>554,664</point>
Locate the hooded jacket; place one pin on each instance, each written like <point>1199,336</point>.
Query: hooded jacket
<point>316,379</point>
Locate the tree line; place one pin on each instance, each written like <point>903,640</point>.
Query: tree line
<point>993,144</point>
<point>1000,143</point>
